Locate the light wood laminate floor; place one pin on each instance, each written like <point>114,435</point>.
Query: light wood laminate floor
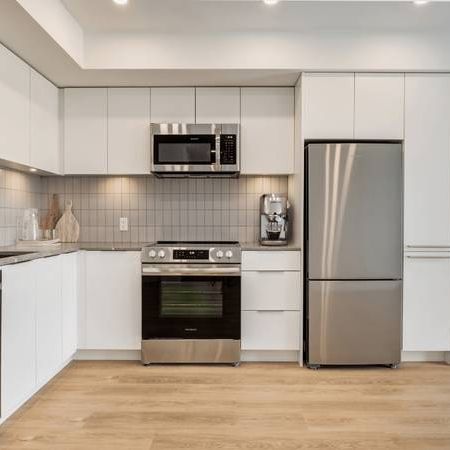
<point>122,405</point>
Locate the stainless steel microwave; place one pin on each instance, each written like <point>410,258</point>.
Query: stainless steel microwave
<point>184,149</point>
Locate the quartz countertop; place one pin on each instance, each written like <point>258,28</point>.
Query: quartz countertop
<point>60,249</point>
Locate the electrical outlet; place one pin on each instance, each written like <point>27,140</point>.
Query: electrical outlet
<point>123,224</point>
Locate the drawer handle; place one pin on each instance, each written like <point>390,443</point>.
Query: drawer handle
<point>270,310</point>
<point>427,257</point>
<point>428,246</point>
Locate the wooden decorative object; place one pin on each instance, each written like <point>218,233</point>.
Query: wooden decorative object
<point>51,219</point>
<point>68,228</point>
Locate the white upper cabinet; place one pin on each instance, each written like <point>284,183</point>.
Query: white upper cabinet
<point>379,104</point>
<point>426,305</point>
<point>85,133</point>
<point>427,160</point>
<point>172,105</point>
<point>328,105</point>
<point>218,105</point>
<point>267,130</point>
<point>129,131</point>
<point>14,108</point>
<point>44,133</point>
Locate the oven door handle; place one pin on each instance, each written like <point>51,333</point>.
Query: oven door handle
<point>230,271</point>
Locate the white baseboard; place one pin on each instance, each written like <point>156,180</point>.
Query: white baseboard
<point>269,356</point>
<point>423,356</point>
<point>111,355</point>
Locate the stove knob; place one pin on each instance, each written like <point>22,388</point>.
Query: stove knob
<point>219,254</point>
<point>152,254</point>
<point>229,254</point>
<point>161,254</point>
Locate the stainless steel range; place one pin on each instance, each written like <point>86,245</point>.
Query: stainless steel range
<point>191,302</point>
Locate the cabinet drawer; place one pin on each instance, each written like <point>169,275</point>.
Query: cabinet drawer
<point>271,291</point>
<point>271,260</point>
<point>270,330</point>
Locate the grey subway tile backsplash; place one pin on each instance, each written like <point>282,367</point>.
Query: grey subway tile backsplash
<point>169,209</point>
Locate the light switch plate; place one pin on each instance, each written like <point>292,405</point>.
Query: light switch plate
<point>123,224</point>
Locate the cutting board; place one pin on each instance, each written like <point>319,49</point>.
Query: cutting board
<point>51,219</point>
<point>68,228</point>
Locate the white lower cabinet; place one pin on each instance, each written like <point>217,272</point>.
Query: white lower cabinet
<point>426,303</point>
<point>48,273</point>
<point>18,352</point>
<point>271,316</point>
<point>270,330</point>
<point>271,290</point>
<point>38,325</point>
<point>69,290</point>
<point>113,301</point>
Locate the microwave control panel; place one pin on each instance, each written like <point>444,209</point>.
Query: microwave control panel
<point>228,149</point>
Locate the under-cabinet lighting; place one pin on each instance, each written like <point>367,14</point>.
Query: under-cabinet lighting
<point>32,169</point>
<point>120,2</point>
<point>421,2</point>
<point>270,2</point>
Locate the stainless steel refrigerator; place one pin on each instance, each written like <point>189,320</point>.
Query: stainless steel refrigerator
<point>353,253</point>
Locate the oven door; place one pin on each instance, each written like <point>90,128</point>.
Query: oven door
<point>200,301</point>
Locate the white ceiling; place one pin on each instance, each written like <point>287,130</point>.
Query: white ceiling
<point>222,42</point>
<point>192,16</point>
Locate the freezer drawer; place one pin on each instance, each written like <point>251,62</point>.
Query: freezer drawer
<point>354,322</point>
<point>354,211</point>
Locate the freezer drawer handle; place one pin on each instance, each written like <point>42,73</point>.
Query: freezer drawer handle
<point>270,310</point>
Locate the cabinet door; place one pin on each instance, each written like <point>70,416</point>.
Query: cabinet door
<point>129,131</point>
<point>44,124</point>
<point>426,305</point>
<point>85,131</point>
<point>172,105</point>
<point>275,290</point>
<point>18,352</point>
<point>379,105</point>
<point>328,105</point>
<point>14,108</point>
<point>69,302</point>
<point>48,318</point>
<point>427,160</point>
<point>218,105</point>
<point>270,330</point>
<point>267,130</point>
<point>113,300</point>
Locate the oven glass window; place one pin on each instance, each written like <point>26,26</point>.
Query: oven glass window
<point>185,149</point>
<point>191,298</point>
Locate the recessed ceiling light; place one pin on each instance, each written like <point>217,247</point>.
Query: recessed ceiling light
<point>120,2</point>
<point>270,2</point>
<point>421,2</point>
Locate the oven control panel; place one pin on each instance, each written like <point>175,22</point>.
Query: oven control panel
<point>192,253</point>
<point>180,254</point>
